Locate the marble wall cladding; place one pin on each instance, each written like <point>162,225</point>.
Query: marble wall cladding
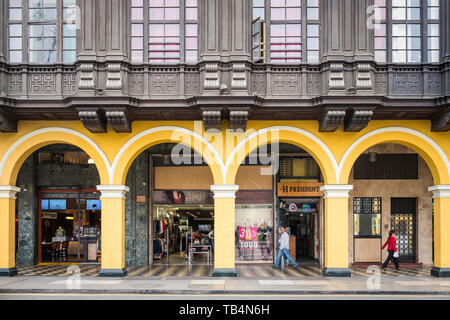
<point>57,175</point>
<point>387,189</point>
<point>130,230</point>
<point>136,214</point>
<point>26,211</point>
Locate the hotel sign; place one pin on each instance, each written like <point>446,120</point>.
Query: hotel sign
<point>299,189</point>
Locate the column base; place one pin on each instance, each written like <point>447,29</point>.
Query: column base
<point>336,272</point>
<point>8,272</point>
<point>224,273</point>
<point>440,272</point>
<point>112,273</point>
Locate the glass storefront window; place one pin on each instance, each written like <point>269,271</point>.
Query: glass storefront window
<point>367,217</point>
<point>254,233</point>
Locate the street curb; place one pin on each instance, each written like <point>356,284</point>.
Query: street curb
<point>217,292</point>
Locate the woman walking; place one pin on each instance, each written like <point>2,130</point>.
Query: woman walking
<point>392,249</point>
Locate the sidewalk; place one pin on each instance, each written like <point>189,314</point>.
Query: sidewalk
<point>401,285</point>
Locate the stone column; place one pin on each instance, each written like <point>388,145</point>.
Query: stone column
<point>224,230</point>
<point>113,230</point>
<point>441,195</point>
<point>336,230</point>
<point>136,211</point>
<point>8,230</point>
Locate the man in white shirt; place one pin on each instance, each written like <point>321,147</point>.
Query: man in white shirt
<point>284,249</point>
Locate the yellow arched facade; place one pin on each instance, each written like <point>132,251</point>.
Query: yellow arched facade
<point>335,153</point>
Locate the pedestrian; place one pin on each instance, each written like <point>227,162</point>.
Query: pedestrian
<point>392,249</point>
<point>211,239</point>
<point>284,249</point>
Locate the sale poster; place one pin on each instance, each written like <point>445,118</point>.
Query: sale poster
<point>254,234</point>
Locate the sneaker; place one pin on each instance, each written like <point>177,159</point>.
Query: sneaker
<point>295,265</point>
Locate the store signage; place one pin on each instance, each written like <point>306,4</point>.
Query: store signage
<point>292,207</point>
<point>306,207</point>
<point>299,189</point>
<point>50,215</point>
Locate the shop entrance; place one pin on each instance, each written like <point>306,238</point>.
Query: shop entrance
<point>183,235</point>
<point>69,224</point>
<point>301,218</point>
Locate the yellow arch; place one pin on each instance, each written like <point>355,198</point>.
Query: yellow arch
<point>16,155</point>
<point>301,138</point>
<point>417,141</point>
<point>144,140</point>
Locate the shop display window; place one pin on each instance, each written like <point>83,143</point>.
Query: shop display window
<point>254,233</point>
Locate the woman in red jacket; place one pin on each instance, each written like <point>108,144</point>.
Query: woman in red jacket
<point>392,248</point>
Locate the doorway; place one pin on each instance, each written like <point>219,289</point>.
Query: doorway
<point>69,225</point>
<point>403,221</point>
<point>183,235</point>
<point>301,218</point>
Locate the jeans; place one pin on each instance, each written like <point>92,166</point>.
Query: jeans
<point>391,258</point>
<point>284,252</point>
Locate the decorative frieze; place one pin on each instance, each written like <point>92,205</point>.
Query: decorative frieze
<point>313,83</point>
<point>211,76</point>
<point>433,83</point>
<point>336,81</point>
<point>239,80</point>
<point>15,83</point>
<point>42,83</point>
<point>408,83</point>
<point>192,83</point>
<point>380,83</point>
<point>259,83</point>
<point>164,84</point>
<point>286,83</point>
<point>69,83</point>
<point>331,120</point>
<point>136,83</point>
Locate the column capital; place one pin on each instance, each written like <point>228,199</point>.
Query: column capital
<point>336,190</point>
<point>440,191</point>
<point>113,191</point>
<point>8,192</point>
<point>224,191</point>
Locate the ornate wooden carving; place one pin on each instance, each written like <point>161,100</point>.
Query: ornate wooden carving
<point>357,120</point>
<point>93,120</point>
<point>331,120</point>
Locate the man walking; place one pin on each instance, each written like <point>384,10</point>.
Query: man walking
<point>284,249</point>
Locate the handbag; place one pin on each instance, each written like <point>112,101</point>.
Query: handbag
<point>396,255</point>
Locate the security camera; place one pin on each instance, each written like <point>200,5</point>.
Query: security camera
<point>223,89</point>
